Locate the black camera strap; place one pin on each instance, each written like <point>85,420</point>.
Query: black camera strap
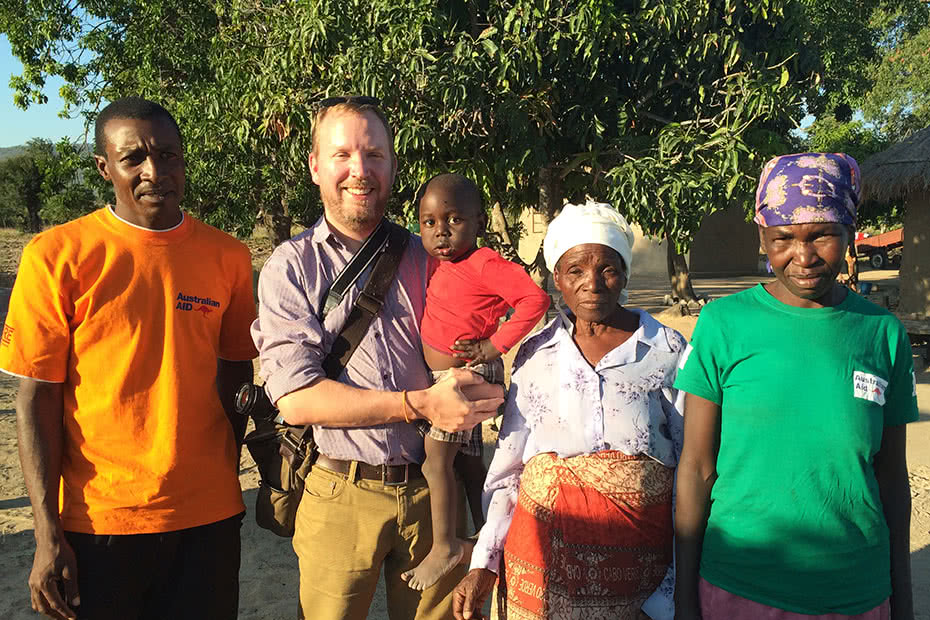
<point>356,266</point>
<point>386,246</point>
<point>369,302</point>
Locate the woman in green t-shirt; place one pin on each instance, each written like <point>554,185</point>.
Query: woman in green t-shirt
<point>793,498</point>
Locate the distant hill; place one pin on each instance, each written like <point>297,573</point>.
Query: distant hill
<point>11,151</point>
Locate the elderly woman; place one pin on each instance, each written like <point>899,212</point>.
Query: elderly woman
<point>579,493</point>
<point>793,498</point>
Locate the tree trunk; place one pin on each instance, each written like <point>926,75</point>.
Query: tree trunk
<point>278,222</point>
<point>915,259</point>
<point>32,195</point>
<point>678,274</point>
<point>500,237</point>
<point>34,221</point>
<point>550,201</point>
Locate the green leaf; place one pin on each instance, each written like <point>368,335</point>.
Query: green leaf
<point>732,185</point>
<point>425,54</point>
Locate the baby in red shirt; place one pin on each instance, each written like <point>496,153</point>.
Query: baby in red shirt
<point>471,289</point>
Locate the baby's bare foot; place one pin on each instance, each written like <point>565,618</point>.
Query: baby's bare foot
<point>437,564</point>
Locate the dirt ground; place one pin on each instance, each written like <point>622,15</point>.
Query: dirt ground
<point>269,567</point>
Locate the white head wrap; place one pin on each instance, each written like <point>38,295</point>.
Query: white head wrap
<point>592,222</point>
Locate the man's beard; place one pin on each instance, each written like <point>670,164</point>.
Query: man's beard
<point>357,218</point>
<point>360,220</point>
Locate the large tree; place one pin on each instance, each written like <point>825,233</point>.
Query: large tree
<point>660,107</point>
<point>48,184</point>
<point>664,107</point>
<point>20,192</point>
<point>898,99</point>
<point>861,140</point>
<point>887,96</point>
<point>160,49</point>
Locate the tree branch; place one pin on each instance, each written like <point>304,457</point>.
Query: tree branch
<point>657,118</point>
<point>502,230</point>
<point>661,87</point>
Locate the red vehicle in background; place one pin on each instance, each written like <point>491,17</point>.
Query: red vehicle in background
<point>881,250</point>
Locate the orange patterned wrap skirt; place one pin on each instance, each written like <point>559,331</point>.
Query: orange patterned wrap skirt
<point>591,537</point>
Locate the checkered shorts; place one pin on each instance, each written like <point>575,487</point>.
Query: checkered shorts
<point>493,372</point>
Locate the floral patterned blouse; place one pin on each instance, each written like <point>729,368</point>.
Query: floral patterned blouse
<point>559,403</point>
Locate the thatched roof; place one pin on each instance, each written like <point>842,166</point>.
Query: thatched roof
<point>899,170</point>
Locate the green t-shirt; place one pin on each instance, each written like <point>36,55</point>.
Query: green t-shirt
<point>796,521</point>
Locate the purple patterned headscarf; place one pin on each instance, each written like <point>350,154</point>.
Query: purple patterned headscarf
<point>808,187</point>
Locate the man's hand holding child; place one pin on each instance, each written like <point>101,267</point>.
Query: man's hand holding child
<point>458,402</point>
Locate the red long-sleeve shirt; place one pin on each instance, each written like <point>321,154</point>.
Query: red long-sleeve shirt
<point>466,299</point>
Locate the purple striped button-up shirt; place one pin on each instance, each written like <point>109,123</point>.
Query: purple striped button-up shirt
<point>293,343</point>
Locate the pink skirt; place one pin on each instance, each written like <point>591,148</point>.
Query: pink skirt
<point>718,604</point>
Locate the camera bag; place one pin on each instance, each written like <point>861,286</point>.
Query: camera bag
<point>283,453</point>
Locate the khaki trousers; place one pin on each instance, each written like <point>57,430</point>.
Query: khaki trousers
<point>346,531</point>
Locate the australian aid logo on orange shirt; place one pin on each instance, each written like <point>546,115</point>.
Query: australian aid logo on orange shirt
<point>6,339</point>
<point>194,303</point>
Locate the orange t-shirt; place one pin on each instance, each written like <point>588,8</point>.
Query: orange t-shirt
<point>132,321</point>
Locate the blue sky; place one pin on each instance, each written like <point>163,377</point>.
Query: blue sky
<point>39,121</point>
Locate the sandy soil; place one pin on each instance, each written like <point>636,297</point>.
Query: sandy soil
<point>269,567</point>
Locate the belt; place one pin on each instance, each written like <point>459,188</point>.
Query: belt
<point>388,475</point>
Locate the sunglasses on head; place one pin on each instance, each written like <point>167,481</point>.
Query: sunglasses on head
<point>362,100</point>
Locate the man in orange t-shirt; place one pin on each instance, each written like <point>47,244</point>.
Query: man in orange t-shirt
<point>129,330</point>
